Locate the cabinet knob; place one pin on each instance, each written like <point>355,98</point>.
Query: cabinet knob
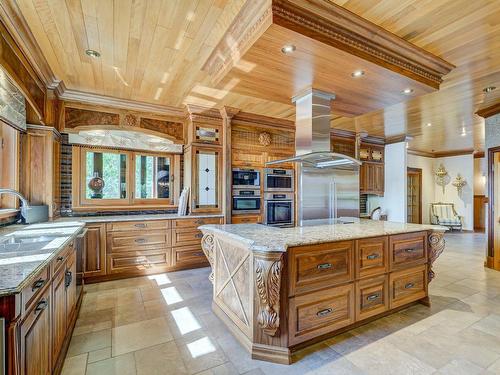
<point>409,286</point>
<point>37,284</point>
<point>60,258</point>
<point>42,305</point>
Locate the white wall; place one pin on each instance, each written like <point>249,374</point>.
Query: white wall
<point>428,185</point>
<point>394,202</point>
<point>464,203</point>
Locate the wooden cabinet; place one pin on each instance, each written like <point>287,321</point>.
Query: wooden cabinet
<point>246,219</point>
<point>59,313</point>
<point>408,285</point>
<point>371,178</point>
<point>95,254</point>
<point>71,296</point>
<point>407,250</point>
<point>35,338</point>
<point>372,297</point>
<point>188,256</point>
<point>40,167</point>
<point>316,266</point>
<point>372,256</point>
<point>314,314</point>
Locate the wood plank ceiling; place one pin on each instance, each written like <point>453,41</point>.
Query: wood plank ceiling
<point>154,50</point>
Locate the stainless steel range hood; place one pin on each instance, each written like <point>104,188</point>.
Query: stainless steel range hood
<point>312,133</point>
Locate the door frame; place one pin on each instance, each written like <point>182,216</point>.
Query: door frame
<point>492,259</point>
<point>419,172</point>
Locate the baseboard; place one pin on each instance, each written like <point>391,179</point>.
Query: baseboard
<point>491,262</point>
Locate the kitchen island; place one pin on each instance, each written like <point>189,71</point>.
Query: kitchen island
<point>280,289</point>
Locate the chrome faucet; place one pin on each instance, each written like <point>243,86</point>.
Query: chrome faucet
<point>17,194</point>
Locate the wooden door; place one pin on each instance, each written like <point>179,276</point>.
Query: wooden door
<point>35,338</point>
<point>414,196</point>
<point>59,319</point>
<point>493,258</point>
<point>480,212</point>
<point>95,253</point>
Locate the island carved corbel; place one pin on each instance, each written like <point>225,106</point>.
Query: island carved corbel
<point>208,246</point>
<point>268,282</point>
<point>436,248</point>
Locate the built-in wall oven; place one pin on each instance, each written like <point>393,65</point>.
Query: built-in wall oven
<point>278,179</point>
<point>278,209</point>
<point>246,179</point>
<point>246,201</point>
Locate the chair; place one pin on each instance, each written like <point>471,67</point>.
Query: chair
<point>444,214</point>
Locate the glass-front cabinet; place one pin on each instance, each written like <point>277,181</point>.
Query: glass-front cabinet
<point>206,179</point>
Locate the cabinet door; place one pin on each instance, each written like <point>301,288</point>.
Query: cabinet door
<point>206,189</point>
<point>95,254</point>
<point>56,184</point>
<point>70,281</point>
<point>363,176</point>
<point>379,178</point>
<point>35,338</point>
<point>59,321</point>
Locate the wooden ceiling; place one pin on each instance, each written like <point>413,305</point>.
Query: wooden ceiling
<point>154,51</point>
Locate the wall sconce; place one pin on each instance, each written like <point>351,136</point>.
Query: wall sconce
<point>459,183</point>
<point>442,177</point>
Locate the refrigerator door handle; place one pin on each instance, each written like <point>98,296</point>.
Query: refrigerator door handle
<point>333,199</point>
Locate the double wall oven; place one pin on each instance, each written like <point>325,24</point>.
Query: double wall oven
<point>246,191</point>
<point>278,197</point>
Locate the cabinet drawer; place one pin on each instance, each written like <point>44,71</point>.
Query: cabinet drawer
<point>246,219</point>
<point>129,241</point>
<point>314,314</point>
<point>408,285</point>
<point>371,256</point>
<point>195,222</point>
<point>188,256</point>
<point>407,250</point>
<point>59,260</point>
<point>138,261</point>
<point>317,266</point>
<point>186,236</point>
<point>31,292</point>
<point>372,297</point>
<point>126,226</point>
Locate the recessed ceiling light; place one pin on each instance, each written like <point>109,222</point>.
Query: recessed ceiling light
<point>92,53</point>
<point>287,49</point>
<point>489,89</point>
<point>407,91</point>
<point>357,73</point>
<point>428,124</point>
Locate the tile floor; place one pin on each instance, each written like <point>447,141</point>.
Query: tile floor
<point>164,325</point>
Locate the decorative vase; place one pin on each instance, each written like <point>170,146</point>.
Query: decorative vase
<point>96,184</point>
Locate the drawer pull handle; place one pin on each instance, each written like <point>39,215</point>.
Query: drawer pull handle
<point>373,256</point>
<point>37,284</point>
<point>324,312</point>
<point>324,266</point>
<point>42,305</point>
<point>409,286</point>
<point>140,240</point>
<point>199,221</point>
<point>68,278</point>
<point>198,235</point>
<point>373,297</point>
<point>198,254</point>
<point>410,250</point>
<point>60,259</point>
<point>140,225</point>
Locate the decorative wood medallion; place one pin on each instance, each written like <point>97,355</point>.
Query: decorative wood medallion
<point>208,246</point>
<point>268,282</point>
<point>436,248</point>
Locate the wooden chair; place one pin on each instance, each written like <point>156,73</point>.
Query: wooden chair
<point>444,214</point>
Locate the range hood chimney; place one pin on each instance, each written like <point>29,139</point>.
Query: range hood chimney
<point>312,132</point>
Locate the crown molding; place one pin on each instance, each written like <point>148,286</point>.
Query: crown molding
<point>489,111</point>
<point>108,101</point>
<point>348,134</point>
<point>444,154</point>
<point>18,28</point>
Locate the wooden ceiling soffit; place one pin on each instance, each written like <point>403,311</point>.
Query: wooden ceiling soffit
<point>77,117</point>
<point>444,154</point>
<point>250,23</point>
<point>252,119</point>
<point>18,28</point>
<point>112,102</point>
<point>350,135</point>
<point>330,24</point>
<point>492,110</point>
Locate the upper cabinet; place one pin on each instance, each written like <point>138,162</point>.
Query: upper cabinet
<point>371,153</point>
<point>371,173</point>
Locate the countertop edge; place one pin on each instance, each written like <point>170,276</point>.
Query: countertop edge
<point>118,218</point>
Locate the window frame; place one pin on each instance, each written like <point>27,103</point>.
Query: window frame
<point>81,203</point>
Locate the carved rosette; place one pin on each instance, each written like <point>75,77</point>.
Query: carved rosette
<point>436,248</point>
<point>265,139</point>
<point>208,247</point>
<point>130,120</point>
<point>268,282</point>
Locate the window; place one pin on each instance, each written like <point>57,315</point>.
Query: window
<point>122,178</point>
<point>152,177</point>
<point>9,164</point>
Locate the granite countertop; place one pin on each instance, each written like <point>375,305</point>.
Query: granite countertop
<point>21,262</point>
<point>259,237</point>
<point>113,218</point>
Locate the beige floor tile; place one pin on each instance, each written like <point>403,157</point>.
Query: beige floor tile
<point>99,326</point>
<point>495,368</point>
<point>99,355</point>
<point>120,365</point>
<point>163,359</point>
<point>200,352</point>
<point>140,335</point>
<point>225,369</point>
<point>76,365</point>
<point>461,367</point>
<point>89,342</point>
